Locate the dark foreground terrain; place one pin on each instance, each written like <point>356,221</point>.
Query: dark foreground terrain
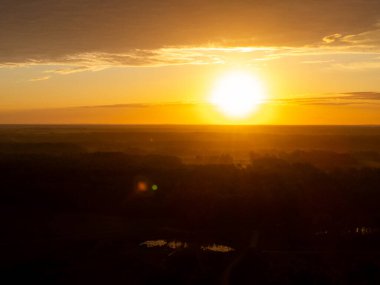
<point>189,205</point>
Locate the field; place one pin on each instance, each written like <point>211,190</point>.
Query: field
<point>298,204</point>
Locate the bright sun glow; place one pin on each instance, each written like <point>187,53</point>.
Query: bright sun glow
<point>237,94</point>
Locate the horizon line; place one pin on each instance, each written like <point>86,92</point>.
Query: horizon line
<point>195,125</point>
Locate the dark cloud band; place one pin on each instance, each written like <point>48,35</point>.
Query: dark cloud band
<point>53,30</point>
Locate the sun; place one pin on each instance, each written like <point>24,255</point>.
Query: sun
<point>237,94</point>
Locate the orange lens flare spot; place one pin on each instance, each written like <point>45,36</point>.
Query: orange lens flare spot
<point>142,186</point>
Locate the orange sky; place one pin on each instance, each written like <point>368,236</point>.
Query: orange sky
<point>150,62</point>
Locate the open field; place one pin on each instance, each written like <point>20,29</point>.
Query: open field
<point>301,203</point>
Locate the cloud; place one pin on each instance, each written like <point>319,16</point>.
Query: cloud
<point>369,38</point>
<point>349,98</point>
<point>148,58</point>
<point>325,55</point>
<point>73,69</point>
<point>343,99</point>
<point>357,65</point>
<point>364,95</point>
<point>317,61</point>
<point>332,38</point>
<point>95,34</point>
<point>40,78</point>
<point>130,105</point>
<point>141,105</point>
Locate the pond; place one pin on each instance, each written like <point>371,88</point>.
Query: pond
<point>175,244</point>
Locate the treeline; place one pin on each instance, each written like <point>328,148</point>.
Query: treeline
<point>270,194</point>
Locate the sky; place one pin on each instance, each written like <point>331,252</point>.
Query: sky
<point>156,62</point>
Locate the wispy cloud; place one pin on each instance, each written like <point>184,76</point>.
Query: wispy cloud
<point>130,105</point>
<point>366,39</point>
<point>143,105</point>
<point>364,95</point>
<point>39,78</point>
<point>317,61</point>
<point>196,55</point>
<point>357,66</point>
<point>332,38</point>
<point>350,98</point>
<point>74,69</point>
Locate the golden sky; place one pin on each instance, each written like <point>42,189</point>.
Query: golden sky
<point>156,62</point>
